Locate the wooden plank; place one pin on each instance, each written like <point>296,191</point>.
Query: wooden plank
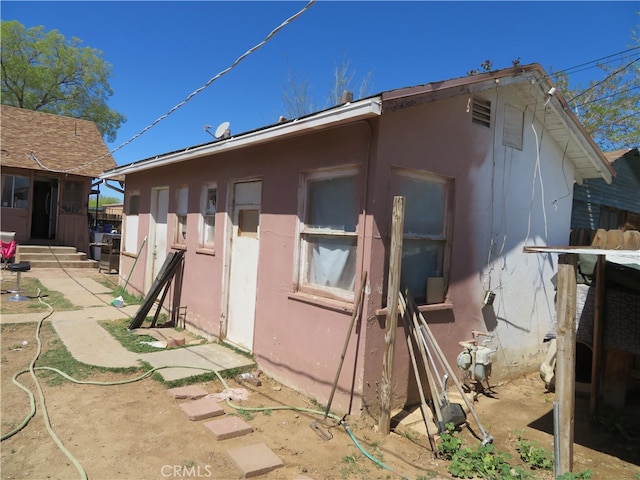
<point>565,366</point>
<point>596,353</point>
<point>393,289</point>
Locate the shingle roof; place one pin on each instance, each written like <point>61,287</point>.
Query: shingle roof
<point>58,143</point>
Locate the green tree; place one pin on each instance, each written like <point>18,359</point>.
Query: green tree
<point>103,201</point>
<point>608,108</point>
<point>45,72</point>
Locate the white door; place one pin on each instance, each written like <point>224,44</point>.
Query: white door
<point>243,274</point>
<point>158,244</point>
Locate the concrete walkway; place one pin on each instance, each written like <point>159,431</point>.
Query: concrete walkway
<point>91,344</point>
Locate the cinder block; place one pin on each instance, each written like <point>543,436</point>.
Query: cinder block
<point>175,342</point>
<point>255,459</point>
<point>228,427</point>
<point>192,392</point>
<point>201,409</point>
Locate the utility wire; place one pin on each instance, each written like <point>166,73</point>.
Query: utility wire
<point>217,76</point>
<point>604,79</point>
<point>192,94</point>
<point>595,61</point>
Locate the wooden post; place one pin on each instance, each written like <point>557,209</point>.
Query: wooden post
<point>566,357</point>
<point>596,353</point>
<point>393,290</point>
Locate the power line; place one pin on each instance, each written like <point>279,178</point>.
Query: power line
<point>604,79</point>
<point>595,61</point>
<point>217,76</point>
<point>192,94</point>
<point>621,92</point>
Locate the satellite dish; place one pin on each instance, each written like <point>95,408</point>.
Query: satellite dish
<point>223,130</point>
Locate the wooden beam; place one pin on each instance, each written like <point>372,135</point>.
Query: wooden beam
<point>393,289</point>
<point>566,357</point>
<point>596,353</point>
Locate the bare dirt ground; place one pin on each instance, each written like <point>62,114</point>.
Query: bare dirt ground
<point>137,432</point>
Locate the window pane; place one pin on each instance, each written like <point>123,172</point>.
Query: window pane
<point>209,230</point>
<point>72,197</point>
<point>7,190</point>
<point>333,204</point>
<point>21,192</point>
<point>424,206</point>
<point>15,191</point>
<point>183,200</point>
<point>134,205</point>
<point>331,261</point>
<point>210,207</point>
<point>421,259</point>
<point>181,231</point>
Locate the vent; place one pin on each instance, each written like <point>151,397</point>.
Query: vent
<point>481,112</point>
<point>512,131</point>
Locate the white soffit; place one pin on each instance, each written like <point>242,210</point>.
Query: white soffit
<point>347,113</point>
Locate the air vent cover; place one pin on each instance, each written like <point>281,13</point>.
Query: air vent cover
<point>481,112</point>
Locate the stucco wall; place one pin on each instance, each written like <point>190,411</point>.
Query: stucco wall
<point>503,198</point>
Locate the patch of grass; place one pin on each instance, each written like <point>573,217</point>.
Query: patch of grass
<point>244,414</point>
<point>118,291</point>
<point>57,356</point>
<point>353,469</point>
<point>119,329</point>
<point>30,288</point>
<point>586,475</point>
<point>128,298</point>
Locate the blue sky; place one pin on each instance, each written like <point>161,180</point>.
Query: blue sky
<point>162,51</point>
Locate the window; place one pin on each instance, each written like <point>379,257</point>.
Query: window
<point>131,223</point>
<point>182,198</point>
<point>15,191</point>
<point>72,197</point>
<point>424,245</point>
<point>328,233</point>
<point>208,210</point>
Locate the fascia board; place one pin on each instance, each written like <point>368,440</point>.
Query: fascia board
<point>350,112</point>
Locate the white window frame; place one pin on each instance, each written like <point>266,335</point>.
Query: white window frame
<point>443,237</point>
<point>131,221</point>
<point>182,208</point>
<point>305,231</point>
<point>208,212</point>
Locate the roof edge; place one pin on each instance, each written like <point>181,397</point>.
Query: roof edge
<point>349,112</point>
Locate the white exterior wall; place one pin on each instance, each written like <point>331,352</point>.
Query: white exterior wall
<point>525,199</point>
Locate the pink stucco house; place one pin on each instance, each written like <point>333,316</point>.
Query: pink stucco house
<point>279,224</point>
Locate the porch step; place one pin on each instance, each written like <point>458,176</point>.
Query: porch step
<point>53,257</point>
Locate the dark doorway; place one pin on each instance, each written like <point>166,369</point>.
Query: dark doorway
<point>45,208</point>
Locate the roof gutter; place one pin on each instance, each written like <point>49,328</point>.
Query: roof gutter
<point>349,112</point>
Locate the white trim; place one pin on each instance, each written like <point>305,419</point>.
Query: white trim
<point>347,113</point>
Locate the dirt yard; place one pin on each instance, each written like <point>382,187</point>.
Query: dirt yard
<point>136,431</point>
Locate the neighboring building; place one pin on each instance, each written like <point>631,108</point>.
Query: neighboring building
<point>48,163</point>
<point>279,224</point>
<point>599,205</point>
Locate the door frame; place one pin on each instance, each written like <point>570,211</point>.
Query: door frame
<point>228,229</point>
<point>153,211</point>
